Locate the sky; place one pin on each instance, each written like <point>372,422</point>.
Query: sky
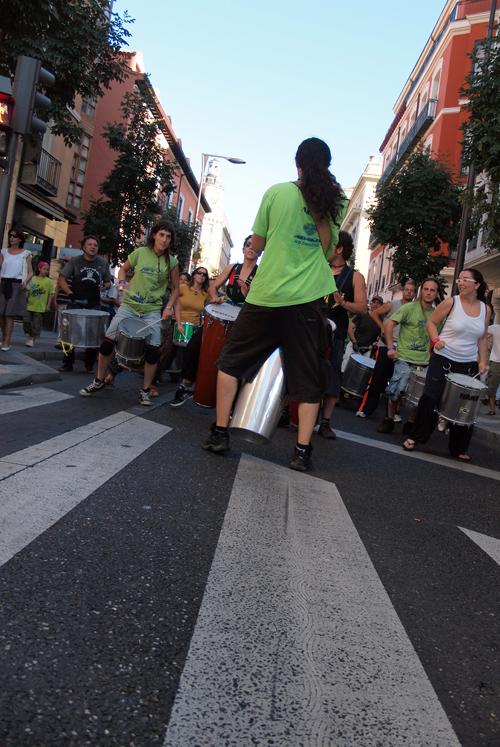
<point>254,79</point>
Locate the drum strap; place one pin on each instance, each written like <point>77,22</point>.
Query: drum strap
<point>67,347</point>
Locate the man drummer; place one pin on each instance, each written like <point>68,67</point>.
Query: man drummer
<point>86,274</point>
<point>154,268</point>
<point>413,349</point>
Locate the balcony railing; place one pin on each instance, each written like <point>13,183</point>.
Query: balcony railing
<point>48,173</point>
<point>387,171</point>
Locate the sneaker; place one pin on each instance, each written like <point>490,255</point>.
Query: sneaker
<point>29,343</point>
<point>398,418</point>
<point>360,414</point>
<point>386,426</point>
<point>217,442</point>
<point>301,460</point>
<point>326,431</point>
<point>94,386</point>
<point>182,395</point>
<point>5,348</point>
<point>442,425</point>
<point>145,397</point>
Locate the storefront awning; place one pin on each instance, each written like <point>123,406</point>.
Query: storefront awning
<point>42,205</point>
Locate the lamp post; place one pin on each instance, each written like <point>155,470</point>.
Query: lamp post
<point>204,160</point>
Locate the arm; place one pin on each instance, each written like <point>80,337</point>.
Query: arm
<point>389,338</point>
<point>30,271</point>
<point>63,285</point>
<point>350,331</point>
<point>438,315</point>
<point>215,284</point>
<point>174,284</point>
<point>50,301</point>
<point>377,315</point>
<point>482,344</point>
<point>359,305</point>
<point>122,272</point>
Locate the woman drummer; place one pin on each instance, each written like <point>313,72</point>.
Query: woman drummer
<point>460,347</point>
<point>16,272</point>
<point>154,269</point>
<point>238,278</point>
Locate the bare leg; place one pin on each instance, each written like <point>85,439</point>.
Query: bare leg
<point>227,386</point>
<point>102,365</point>
<point>7,330</point>
<point>391,408</point>
<point>308,414</point>
<point>492,402</point>
<point>149,374</point>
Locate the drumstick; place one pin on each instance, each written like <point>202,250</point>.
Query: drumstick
<point>151,324</point>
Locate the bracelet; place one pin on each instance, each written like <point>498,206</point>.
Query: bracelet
<point>433,342</point>
<point>169,308</point>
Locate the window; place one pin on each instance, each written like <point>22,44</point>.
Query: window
<point>77,179</point>
<point>88,106</point>
<point>180,206</point>
<point>190,216</point>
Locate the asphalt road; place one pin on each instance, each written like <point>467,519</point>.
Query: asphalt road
<point>156,594</point>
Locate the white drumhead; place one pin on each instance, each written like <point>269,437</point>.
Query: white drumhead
<point>226,312</point>
<point>466,381</point>
<point>85,312</point>
<point>132,326</point>
<point>363,360</point>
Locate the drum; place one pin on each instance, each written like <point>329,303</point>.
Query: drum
<point>131,341</point>
<point>415,389</point>
<point>357,374</point>
<point>218,322</point>
<point>83,328</point>
<point>461,399</point>
<point>260,402</point>
<point>182,340</point>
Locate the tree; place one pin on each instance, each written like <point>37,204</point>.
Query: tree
<point>78,41</point>
<point>481,145</point>
<point>130,192</point>
<point>186,234</point>
<point>417,212</point>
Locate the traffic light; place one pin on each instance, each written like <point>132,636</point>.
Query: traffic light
<point>6,111</point>
<point>29,75</point>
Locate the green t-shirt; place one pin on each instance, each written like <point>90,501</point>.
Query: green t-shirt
<point>151,276</point>
<point>294,268</point>
<point>38,294</point>
<point>413,341</point>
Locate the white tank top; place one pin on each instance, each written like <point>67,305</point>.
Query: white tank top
<point>461,333</point>
<point>12,265</point>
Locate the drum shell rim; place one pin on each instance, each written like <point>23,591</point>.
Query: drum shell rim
<point>83,328</point>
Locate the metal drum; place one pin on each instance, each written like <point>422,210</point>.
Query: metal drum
<point>260,402</point>
<point>131,341</point>
<point>182,340</point>
<point>217,324</point>
<point>461,399</point>
<point>83,328</point>
<point>415,388</point>
<point>357,374</point>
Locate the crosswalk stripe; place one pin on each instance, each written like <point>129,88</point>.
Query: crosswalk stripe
<point>55,476</point>
<point>489,545</point>
<point>15,400</point>
<point>296,640</point>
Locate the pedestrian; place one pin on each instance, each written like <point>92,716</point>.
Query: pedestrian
<point>412,351</point>
<point>40,297</point>
<point>460,347</point>
<point>493,378</point>
<point>154,268</point>
<point>350,298</point>
<point>110,299</point>
<point>81,280</point>
<point>298,226</point>
<point>16,271</point>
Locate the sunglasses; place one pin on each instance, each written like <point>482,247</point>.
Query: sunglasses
<point>200,272</point>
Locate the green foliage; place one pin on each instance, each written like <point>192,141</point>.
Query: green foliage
<point>186,234</point>
<point>416,211</point>
<point>130,191</point>
<point>481,145</point>
<point>74,40</point>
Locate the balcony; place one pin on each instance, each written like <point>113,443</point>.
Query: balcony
<point>48,173</point>
<point>387,171</point>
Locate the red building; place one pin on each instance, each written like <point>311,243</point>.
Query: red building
<point>430,110</point>
<point>92,171</point>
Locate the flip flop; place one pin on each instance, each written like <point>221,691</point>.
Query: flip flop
<point>491,412</point>
<point>405,445</point>
<point>463,458</point>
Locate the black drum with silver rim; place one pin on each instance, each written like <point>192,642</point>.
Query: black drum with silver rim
<point>415,388</point>
<point>131,341</point>
<point>83,328</point>
<point>357,374</point>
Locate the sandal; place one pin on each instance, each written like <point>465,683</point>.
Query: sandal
<point>463,457</point>
<point>409,444</point>
<point>491,412</point>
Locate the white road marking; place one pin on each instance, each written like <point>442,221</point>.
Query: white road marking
<point>398,449</point>
<point>56,475</point>
<point>489,545</point>
<point>22,399</point>
<point>297,641</point>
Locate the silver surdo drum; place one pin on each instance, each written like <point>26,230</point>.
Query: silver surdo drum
<point>260,402</point>
<point>461,399</point>
<point>357,374</point>
<point>130,343</point>
<point>83,328</point>
<point>415,388</point>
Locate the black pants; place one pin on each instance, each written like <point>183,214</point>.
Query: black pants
<point>382,372</point>
<point>90,358</point>
<point>427,417</point>
<point>192,356</point>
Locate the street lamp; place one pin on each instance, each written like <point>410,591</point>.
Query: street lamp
<point>204,160</point>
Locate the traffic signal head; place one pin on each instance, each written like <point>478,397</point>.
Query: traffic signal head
<point>6,111</point>
<point>30,74</point>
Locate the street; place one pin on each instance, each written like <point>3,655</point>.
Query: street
<point>153,593</point>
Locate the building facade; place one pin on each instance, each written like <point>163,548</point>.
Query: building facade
<point>430,112</point>
<point>356,219</point>
<point>215,238</point>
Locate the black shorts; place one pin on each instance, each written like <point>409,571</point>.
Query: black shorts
<point>334,378</point>
<point>300,331</point>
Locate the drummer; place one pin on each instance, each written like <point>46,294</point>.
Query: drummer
<point>412,351</point>
<point>154,269</point>
<point>81,280</point>
<point>460,347</point>
<point>238,278</point>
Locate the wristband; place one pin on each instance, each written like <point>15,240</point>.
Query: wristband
<point>433,342</point>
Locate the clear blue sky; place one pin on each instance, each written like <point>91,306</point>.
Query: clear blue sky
<point>253,79</point>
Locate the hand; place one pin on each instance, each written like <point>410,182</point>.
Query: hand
<point>338,297</point>
<point>180,328</point>
<point>483,367</point>
<point>167,312</point>
<point>392,354</point>
<point>439,345</point>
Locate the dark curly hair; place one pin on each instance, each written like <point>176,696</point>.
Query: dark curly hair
<point>321,191</point>
<point>162,225</point>
<point>347,244</point>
